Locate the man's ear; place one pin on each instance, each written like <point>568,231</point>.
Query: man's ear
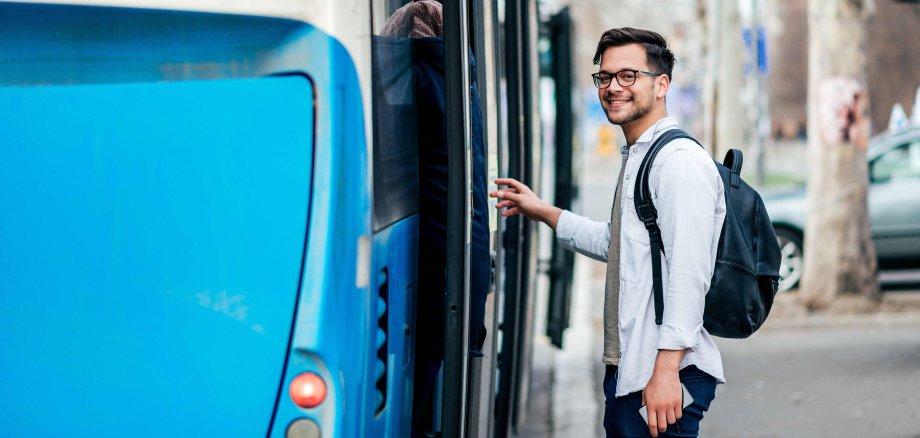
<point>664,83</point>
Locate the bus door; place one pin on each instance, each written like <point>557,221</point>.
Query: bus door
<point>562,263</point>
<point>459,208</point>
<point>517,260</point>
<point>483,364</point>
<point>423,149</point>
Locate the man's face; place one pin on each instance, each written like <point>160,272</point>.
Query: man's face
<point>627,104</point>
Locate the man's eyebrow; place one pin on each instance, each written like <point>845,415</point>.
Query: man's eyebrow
<point>615,72</point>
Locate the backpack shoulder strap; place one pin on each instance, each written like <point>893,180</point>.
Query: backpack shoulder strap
<point>643,194</point>
<point>649,215</point>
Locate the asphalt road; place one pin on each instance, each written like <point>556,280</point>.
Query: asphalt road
<point>820,382</point>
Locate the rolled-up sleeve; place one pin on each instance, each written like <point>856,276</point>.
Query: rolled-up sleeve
<point>583,235</point>
<point>688,190</point>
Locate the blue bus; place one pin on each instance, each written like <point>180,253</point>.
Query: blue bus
<point>209,219</point>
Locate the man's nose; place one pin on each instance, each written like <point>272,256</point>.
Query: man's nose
<point>614,86</point>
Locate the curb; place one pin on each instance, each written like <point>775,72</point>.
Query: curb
<point>905,319</point>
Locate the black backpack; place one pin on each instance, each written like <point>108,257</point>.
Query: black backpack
<point>746,274</point>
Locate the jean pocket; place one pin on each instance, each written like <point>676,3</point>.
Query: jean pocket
<point>677,431</point>
<point>688,426</point>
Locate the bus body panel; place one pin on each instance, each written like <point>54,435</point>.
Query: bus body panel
<point>332,326</point>
<point>395,261</point>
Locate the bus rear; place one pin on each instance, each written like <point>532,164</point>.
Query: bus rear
<point>176,188</point>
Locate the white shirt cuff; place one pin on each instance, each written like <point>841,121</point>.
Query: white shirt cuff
<point>671,337</point>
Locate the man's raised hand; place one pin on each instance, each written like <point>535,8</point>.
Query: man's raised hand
<point>517,198</point>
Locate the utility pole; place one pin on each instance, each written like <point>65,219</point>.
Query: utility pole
<point>729,120</point>
<point>710,12</point>
<point>755,94</point>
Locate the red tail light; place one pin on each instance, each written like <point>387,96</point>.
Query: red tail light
<point>308,390</point>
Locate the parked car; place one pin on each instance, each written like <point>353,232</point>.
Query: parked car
<point>894,207</point>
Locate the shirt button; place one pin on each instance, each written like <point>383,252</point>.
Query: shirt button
<point>635,150</point>
<point>626,177</point>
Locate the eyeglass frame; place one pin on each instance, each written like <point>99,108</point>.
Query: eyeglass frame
<point>615,77</point>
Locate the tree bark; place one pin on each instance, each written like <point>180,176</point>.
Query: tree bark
<point>839,253</point>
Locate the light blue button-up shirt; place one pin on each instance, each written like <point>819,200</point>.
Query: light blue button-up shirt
<point>688,194</point>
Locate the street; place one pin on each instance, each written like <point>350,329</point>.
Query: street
<point>820,382</point>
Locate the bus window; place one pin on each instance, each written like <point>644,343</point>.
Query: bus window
<point>395,138</point>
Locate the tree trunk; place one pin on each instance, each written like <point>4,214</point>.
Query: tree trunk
<point>839,253</point>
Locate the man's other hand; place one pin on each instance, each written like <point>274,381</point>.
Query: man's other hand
<point>519,199</point>
<point>663,396</point>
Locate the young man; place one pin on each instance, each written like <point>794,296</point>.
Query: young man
<point>647,363</point>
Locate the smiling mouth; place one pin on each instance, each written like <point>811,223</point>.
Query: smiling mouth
<point>618,102</point>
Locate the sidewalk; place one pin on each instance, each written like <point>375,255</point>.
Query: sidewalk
<point>896,309</point>
<point>564,397</point>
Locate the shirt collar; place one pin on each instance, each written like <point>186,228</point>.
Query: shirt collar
<point>655,130</point>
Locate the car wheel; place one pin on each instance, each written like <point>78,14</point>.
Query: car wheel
<point>790,267</point>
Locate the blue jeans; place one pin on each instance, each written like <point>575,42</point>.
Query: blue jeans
<point>621,414</point>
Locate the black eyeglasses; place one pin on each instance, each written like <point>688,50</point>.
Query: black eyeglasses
<point>624,77</point>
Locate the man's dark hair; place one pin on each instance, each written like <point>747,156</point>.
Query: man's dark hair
<point>659,56</point>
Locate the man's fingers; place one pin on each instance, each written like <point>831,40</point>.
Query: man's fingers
<point>506,181</point>
<point>502,193</point>
<point>511,212</point>
<point>672,418</point>
<point>658,420</point>
<point>652,422</point>
<point>520,187</point>
<point>504,204</point>
<point>662,422</point>
<point>507,195</point>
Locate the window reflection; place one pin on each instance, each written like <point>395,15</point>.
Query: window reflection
<point>900,162</point>
<point>395,136</point>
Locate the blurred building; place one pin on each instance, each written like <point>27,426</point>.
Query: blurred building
<point>681,25</point>
<point>894,63</point>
